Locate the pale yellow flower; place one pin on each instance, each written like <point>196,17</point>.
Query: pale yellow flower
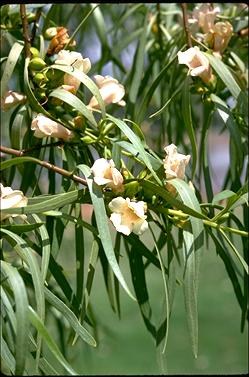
<point>110,90</point>
<point>205,16</point>
<point>10,99</point>
<point>75,60</point>
<point>174,165</point>
<point>11,199</point>
<point>128,216</point>
<point>197,63</point>
<point>219,38</point>
<point>105,173</point>
<point>44,127</point>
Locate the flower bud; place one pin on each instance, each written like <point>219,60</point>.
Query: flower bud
<point>37,64</point>
<point>41,95</point>
<point>87,139</point>
<point>50,33</point>
<point>35,53</point>
<point>40,79</point>
<point>79,122</point>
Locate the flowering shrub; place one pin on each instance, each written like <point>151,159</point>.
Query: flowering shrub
<point>115,145</point>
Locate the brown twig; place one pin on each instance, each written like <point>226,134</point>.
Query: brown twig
<point>25,27</point>
<point>45,164</point>
<point>185,23</point>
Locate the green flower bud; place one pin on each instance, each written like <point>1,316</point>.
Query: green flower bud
<point>87,139</point>
<point>41,95</point>
<point>50,33</point>
<point>35,53</point>
<point>31,17</point>
<point>40,78</point>
<point>37,64</point>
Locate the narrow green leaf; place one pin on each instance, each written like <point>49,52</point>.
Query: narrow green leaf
<point>52,202</point>
<point>38,324</point>
<point>140,287</point>
<point>75,102</point>
<point>100,26</point>
<point>222,195</point>
<point>70,316</point>
<point>136,143</point>
<point>190,291</point>
<point>240,258</point>
<point>224,73</point>
<point>81,24</point>
<point>10,65</point>
<point>156,190</point>
<point>187,117</point>
<point>82,77</point>
<point>26,253</point>
<point>21,228</point>
<point>45,243</point>
<point>165,285</point>
<point>102,224</point>
<point>21,309</point>
<point>17,161</point>
<point>155,163</point>
<point>193,245</point>
<point>139,63</point>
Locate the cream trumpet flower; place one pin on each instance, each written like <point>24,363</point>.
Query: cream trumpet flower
<point>11,99</point>
<point>44,127</point>
<point>110,90</point>
<point>197,63</point>
<point>105,173</point>
<point>11,199</point>
<point>75,60</point>
<point>204,16</point>
<point>174,165</point>
<point>219,38</point>
<point>128,216</point>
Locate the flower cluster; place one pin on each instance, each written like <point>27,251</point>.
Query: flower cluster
<point>215,35</point>
<point>11,199</point>
<point>130,215</point>
<point>204,16</point>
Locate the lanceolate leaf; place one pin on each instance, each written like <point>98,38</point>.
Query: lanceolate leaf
<point>187,117</point>
<point>10,65</point>
<point>85,80</point>
<point>224,73</point>
<point>70,316</point>
<point>21,310</point>
<point>136,143</point>
<point>193,245</point>
<point>102,224</point>
<point>75,102</point>
<point>38,324</point>
<point>52,202</point>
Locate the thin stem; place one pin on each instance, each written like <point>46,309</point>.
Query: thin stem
<point>185,23</point>
<point>34,29</point>
<point>25,27</point>
<point>46,165</point>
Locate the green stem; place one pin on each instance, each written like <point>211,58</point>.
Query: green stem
<point>228,229</point>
